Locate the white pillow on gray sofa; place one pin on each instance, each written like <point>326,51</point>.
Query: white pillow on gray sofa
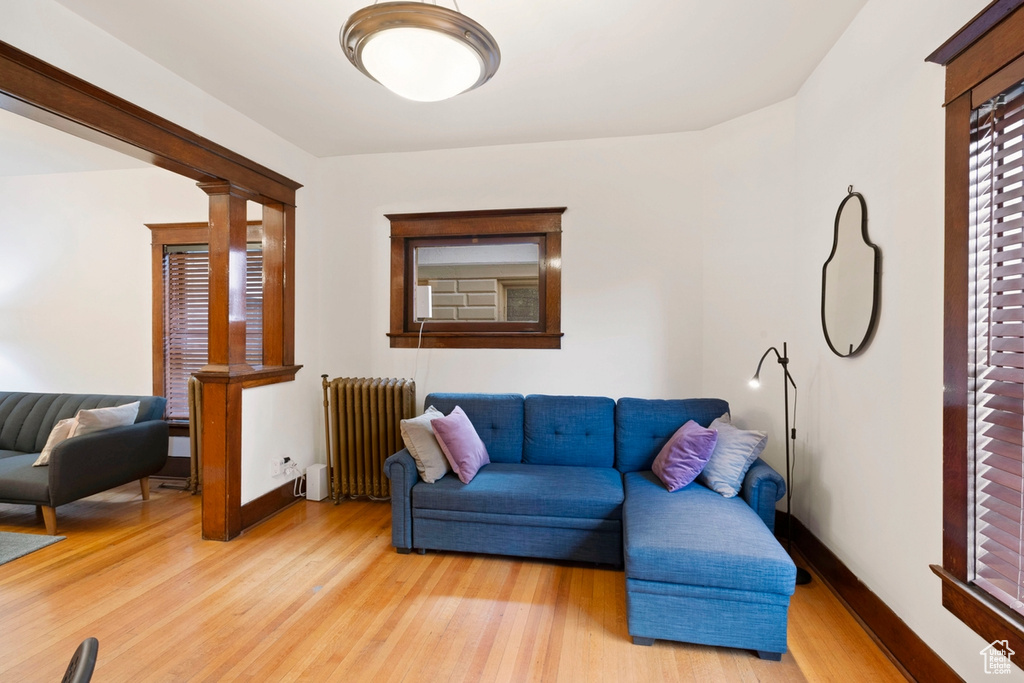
<point>60,432</point>
<point>419,438</point>
<point>98,419</point>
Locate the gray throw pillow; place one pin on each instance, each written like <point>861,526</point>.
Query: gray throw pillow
<point>735,451</point>
<point>419,438</point>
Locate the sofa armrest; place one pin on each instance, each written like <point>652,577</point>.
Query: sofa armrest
<point>762,488</point>
<point>400,468</point>
<point>84,465</point>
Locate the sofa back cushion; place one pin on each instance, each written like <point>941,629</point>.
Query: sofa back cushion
<point>643,426</point>
<point>569,430</point>
<point>26,419</point>
<point>497,419</point>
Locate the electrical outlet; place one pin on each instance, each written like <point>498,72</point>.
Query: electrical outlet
<point>277,466</point>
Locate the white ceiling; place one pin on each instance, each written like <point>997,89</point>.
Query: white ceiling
<point>570,69</point>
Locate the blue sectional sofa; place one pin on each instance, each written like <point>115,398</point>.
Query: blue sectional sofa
<point>570,479</point>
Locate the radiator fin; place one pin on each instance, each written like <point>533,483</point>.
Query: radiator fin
<point>364,417</point>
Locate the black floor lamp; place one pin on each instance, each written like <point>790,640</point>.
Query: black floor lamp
<point>802,575</point>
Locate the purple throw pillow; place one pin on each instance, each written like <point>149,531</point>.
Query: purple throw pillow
<point>685,455</point>
<point>460,444</point>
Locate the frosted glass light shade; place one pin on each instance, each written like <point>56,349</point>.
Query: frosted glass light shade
<point>421,64</point>
<point>419,51</point>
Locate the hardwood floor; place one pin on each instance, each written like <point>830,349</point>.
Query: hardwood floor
<point>317,593</point>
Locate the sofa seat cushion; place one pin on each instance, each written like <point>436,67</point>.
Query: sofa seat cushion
<point>696,537</point>
<point>534,490</point>
<point>19,481</point>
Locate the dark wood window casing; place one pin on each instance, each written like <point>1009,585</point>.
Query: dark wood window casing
<point>983,381</point>
<point>181,290</point>
<point>410,231</point>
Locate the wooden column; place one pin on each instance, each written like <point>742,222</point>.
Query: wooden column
<point>226,365</point>
<point>278,287</point>
<point>222,456</point>
<point>227,278</point>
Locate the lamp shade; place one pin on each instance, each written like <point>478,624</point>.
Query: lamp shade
<point>421,52</point>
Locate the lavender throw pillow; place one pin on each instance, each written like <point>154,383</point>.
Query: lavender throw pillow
<point>684,456</point>
<point>460,444</point>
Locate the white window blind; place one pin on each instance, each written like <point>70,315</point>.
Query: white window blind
<point>186,315</point>
<point>996,345</point>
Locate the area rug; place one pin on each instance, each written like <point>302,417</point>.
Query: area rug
<point>13,546</point>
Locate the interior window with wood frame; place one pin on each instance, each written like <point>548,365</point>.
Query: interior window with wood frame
<point>181,292</point>
<point>982,567</point>
<point>476,279</point>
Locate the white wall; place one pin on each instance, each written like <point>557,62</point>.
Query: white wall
<point>51,32</point>
<point>75,294</point>
<point>631,255</point>
<point>869,482</point>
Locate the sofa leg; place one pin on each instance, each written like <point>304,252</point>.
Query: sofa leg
<point>50,519</point>
<point>403,551</point>
<point>637,640</point>
<point>144,483</point>
<point>421,551</point>
<point>770,656</point>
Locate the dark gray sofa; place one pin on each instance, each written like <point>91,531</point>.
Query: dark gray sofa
<point>80,466</point>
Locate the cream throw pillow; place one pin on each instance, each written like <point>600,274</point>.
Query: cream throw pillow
<point>419,438</point>
<point>60,432</point>
<point>98,419</point>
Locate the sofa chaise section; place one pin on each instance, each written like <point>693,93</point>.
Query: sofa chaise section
<point>80,466</point>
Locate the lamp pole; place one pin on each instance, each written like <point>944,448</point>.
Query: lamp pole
<point>802,575</point>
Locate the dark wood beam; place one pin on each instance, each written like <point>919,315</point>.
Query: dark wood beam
<point>42,92</point>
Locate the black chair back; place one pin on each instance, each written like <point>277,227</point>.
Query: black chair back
<point>83,662</point>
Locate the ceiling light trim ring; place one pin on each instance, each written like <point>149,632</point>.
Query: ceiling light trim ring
<point>388,15</point>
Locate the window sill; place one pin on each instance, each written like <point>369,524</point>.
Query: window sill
<point>986,616</point>
<point>477,340</point>
<point>256,377</point>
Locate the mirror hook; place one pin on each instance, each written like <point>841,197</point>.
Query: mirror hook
<point>849,189</point>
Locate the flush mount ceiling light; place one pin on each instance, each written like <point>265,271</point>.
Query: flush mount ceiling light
<point>419,51</point>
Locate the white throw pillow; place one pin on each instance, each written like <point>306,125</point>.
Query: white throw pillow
<point>419,438</point>
<point>98,419</point>
<point>735,451</point>
<point>60,432</point>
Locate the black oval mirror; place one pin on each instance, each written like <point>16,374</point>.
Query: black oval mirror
<point>850,281</point>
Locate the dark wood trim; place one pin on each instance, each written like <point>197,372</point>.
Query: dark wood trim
<point>256,377</point>
<point>955,475</point>
<point>222,459</point>
<point>40,91</point>
<point>981,24</point>
<point>543,225</point>
<point>986,55</point>
<point>228,234</point>
<point>985,615</point>
<point>899,642</point>
<point>177,428</point>
<point>273,281</point>
<point>269,504</point>
<point>476,340</point>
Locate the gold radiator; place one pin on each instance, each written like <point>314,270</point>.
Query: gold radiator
<point>195,434</point>
<point>362,421</point>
